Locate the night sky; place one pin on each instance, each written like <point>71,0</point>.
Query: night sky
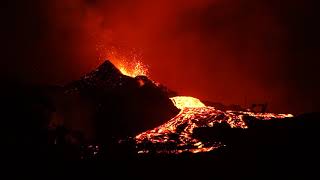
<point>229,51</point>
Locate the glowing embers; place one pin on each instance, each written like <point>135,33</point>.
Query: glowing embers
<point>182,102</point>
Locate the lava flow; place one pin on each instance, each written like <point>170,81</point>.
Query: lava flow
<point>176,136</point>
<point>182,102</point>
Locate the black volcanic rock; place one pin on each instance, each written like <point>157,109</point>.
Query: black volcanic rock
<point>105,78</point>
<point>116,105</point>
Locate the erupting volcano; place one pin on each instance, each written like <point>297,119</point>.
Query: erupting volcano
<point>177,134</point>
<point>172,89</point>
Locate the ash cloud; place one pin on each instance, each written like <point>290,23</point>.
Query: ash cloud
<point>239,52</point>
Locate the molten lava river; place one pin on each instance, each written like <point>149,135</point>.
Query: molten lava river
<point>176,136</point>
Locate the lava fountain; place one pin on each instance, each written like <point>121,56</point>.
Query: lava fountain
<point>127,61</point>
<point>133,70</point>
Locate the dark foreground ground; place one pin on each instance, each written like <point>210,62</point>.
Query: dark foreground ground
<point>268,150</point>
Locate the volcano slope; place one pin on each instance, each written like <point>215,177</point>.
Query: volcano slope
<point>122,106</point>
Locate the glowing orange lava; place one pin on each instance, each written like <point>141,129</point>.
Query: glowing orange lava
<point>128,61</point>
<point>133,70</point>
<point>182,102</point>
<point>176,136</point>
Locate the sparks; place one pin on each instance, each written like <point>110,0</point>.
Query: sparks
<point>128,61</point>
<point>133,70</point>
